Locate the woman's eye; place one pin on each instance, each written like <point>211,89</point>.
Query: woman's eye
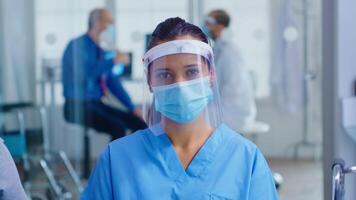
<point>192,73</point>
<point>163,75</point>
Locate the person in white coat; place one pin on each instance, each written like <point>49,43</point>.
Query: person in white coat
<point>235,81</point>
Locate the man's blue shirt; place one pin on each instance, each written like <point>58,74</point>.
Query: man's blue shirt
<point>84,68</point>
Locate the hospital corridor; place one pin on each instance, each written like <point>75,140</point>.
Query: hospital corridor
<point>177,100</point>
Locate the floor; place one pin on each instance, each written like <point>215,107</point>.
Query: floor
<point>302,179</point>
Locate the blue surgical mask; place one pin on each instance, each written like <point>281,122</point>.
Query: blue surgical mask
<point>183,102</point>
<point>107,38</point>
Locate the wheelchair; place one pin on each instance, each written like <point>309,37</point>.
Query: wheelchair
<point>45,174</point>
<point>339,171</point>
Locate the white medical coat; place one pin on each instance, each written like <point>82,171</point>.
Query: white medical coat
<point>235,84</point>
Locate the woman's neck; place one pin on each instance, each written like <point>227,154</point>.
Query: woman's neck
<point>190,135</point>
<point>187,139</point>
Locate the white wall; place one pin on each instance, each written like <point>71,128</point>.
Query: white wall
<point>1,54</point>
<point>17,46</point>
<point>136,18</point>
<point>57,22</point>
<point>287,125</point>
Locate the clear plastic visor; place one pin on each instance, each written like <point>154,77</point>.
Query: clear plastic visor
<point>181,91</point>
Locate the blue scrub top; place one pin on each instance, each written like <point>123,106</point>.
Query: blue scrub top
<point>145,166</point>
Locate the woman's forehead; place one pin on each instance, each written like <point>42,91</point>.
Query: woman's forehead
<point>178,59</point>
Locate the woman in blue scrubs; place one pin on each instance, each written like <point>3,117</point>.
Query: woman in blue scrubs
<point>186,152</point>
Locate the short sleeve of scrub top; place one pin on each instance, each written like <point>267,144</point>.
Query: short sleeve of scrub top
<point>145,166</point>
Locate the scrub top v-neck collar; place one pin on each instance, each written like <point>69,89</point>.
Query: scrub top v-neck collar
<point>200,162</point>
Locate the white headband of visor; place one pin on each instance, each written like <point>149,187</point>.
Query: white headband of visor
<point>179,46</point>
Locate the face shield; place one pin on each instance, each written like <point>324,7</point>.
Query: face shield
<point>181,87</point>
<point>206,26</point>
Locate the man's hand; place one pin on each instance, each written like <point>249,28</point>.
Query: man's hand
<point>122,58</point>
<point>138,113</point>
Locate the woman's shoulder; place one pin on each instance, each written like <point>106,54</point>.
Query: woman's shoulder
<point>126,148</point>
<point>128,145</point>
<point>129,140</point>
<point>243,149</point>
<point>237,140</point>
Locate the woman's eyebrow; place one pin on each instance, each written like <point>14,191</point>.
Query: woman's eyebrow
<point>161,69</point>
<point>191,65</point>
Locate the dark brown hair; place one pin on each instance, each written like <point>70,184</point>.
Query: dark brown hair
<point>221,17</point>
<point>175,27</point>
